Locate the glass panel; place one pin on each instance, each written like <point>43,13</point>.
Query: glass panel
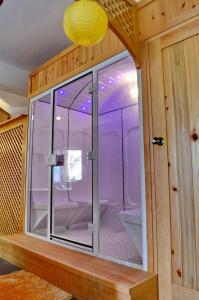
<point>41,116</point>
<point>119,163</point>
<point>72,181</point>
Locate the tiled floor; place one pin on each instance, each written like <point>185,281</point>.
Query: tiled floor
<point>7,268</point>
<point>116,244</point>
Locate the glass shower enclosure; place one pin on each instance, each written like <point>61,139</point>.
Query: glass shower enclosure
<point>85,183</point>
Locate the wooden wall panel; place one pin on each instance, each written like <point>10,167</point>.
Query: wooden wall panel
<point>182,293</point>
<point>158,15</point>
<point>12,167</point>
<point>72,61</point>
<point>4,116</point>
<point>149,160</point>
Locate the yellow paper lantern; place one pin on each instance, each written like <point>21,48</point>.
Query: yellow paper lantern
<point>85,22</point>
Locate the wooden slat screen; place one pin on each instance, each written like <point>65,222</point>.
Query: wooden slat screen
<point>123,21</point>
<point>12,140</point>
<point>4,116</point>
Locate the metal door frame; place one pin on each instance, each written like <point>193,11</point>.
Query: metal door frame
<point>51,219</point>
<point>96,213</point>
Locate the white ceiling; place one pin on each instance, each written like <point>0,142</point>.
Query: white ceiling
<point>31,31</point>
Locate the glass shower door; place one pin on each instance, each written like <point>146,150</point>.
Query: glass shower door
<point>72,199</point>
<point>119,167</point>
<point>38,171</point>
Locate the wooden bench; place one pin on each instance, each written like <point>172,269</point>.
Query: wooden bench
<point>84,276</point>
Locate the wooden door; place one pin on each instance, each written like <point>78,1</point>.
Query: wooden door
<point>174,88</point>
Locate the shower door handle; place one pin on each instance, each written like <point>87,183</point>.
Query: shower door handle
<point>91,155</point>
<point>54,160</point>
<point>158,141</point>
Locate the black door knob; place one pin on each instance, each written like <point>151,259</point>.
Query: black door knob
<point>158,141</point>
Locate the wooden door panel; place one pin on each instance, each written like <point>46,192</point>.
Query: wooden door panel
<point>191,52</point>
<point>176,236</point>
<point>174,102</point>
<point>181,175</point>
<point>160,176</point>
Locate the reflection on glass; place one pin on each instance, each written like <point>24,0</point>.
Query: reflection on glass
<point>119,163</point>
<point>72,169</point>
<point>57,174</point>
<point>40,123</point>
<point>74,163</point>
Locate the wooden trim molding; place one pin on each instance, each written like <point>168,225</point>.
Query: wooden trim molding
<point>148,153</point>
<point>71,62</point>
<point>17,120</point>
<point>4,116</point>
<point>158,16</point>
<point>181,32</point>
<point>143,3</point>
<point>183,293</point>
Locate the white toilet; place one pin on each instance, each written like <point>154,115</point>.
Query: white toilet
<point>132,222</point>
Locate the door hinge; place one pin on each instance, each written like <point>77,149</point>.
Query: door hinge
<point>92,227</point>
<point>91,155</point>
<point>92,88</point>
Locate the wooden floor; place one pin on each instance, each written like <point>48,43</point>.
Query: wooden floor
<point>84,276</point>
<point>7,268</point>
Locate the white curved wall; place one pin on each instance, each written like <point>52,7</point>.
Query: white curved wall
<point>12,103</point>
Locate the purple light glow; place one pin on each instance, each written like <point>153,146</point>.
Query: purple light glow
<point>110,81</point>
<point>102,87</point>
<point>118,76</point>
<point>84,108</point>
<point>61,92</point>
<point>89,101</point>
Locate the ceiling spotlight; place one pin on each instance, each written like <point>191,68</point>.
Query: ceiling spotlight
<point>58,118</point>
<point>61,92</point>
<point>131,76</point>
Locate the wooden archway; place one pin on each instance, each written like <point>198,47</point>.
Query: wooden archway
<point>122,16</point>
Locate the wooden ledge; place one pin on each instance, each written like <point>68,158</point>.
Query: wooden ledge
<point>4,112</point>
<point>17,120</point>
<point>84,276</point>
